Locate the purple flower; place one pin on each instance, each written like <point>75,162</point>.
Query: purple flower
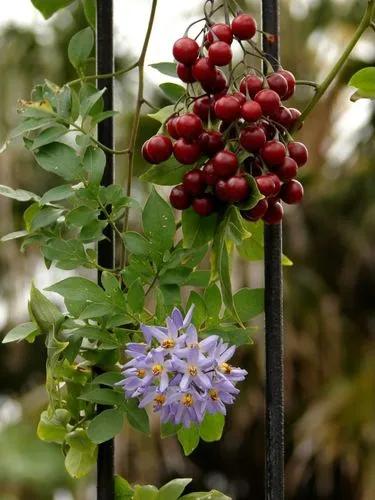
<point>194,369</point>
<point>188,407</point>
<point>221,355</point>
<point>221,393</point>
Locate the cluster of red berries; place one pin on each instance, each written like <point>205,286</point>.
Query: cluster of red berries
<point>229,136</point>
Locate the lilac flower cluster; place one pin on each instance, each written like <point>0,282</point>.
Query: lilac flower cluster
<point>182,377</point>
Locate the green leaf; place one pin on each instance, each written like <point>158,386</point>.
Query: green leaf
<point>48,8</point>
<point>29,124</point>
<point>80,47</point>
<point>105,425</point>
<point>44,312</point>
<point>213,301</point>
<point>231,334</point>
<point>249,302</point>
<point>364,81</point>
<point>147,492</point>
<point>14,235</point>
<point>188,438</point>
<point>158,222</point>
<point>168,173</point>
<point>168,430</point>
<point>45,217</point>
<point>206,495</point>
<point>175,276</point>
<point>136,296</point>
<point>197,230</point>
<point>103,396</point>
<point>211,429</point>
<point>94,162</point>
<point>123,490</point>
<point>57,193</point>
<point>88,103</point>
<point>80,289</point>
<point>172,91</point>
<point>173,489</point>
<point>137,417</point>
<point>254,194</point>
<point>163,114</point>
<point>136,243</point>
<point>108,378</point>
<point>48,135</point>
<point>81,456</point>
<point>67,254</point>
<point>59,159</point>
<point>21,332</point>
<point>89,8</point>
<point>52,427</point>
<point>17,194</point>
<point>200,311</point>
<point>166,68</point>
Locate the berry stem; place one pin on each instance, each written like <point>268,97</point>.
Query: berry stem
<point>137,116</point>
<point>104,75</point>
<point>308,83</point>
<point>227,21</point>
<point>321,89</point>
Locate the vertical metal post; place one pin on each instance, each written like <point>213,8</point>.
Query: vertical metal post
<point>274,466</point>
<point>106,247</point>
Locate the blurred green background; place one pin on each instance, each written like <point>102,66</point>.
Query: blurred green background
<point>329,292</point>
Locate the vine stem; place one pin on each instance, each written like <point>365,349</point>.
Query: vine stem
<point>137,115</point>
<point>365,23</point>
<point>104,75</point>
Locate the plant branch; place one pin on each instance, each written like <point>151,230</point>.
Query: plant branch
<point>308,83</point>
<point>321,89</point>
<point>104,75</point>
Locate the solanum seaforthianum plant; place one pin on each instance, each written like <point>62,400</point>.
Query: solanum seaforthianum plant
<point>132,342</point>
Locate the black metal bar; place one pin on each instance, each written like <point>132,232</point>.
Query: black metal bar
<point>274,464</point>
<point>106,247</point>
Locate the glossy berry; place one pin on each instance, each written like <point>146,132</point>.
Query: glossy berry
<point>179,198</point>
<point>283,116</point>
<point>298,152</point>
<point>203,107</point>
<point>220,53</point>
<point>171,127</point>
<point>278,84</point>
<point>295,115</point>
<point>186,152</point>
<point>244,26</point>
<point>204,205</point>
<point>288,169</point>
<point>185,50</point>
<point>194,182</point>
<point>273,153</point>
<point>266,185</point>
<point>237,189</point>
<point>185,73</point>
<point>256,212</point>
<point>251,111</point>
<point>274,213</point>
<point>221,190</point>
<point>291,192</point>
<point>209,174</point>
<point>189,126</point>
<point>218,85</point>
<point>145,153</point>
<point>277,183</point>
<point>159,148</point>
<point>227,108</point>
<point>268,100</point>
<point>252,138</point>
<point>291,81</point>
<point>204,71</point>
<point>225,164</point>
<point>269,130</point>
<point>219,31</point>
<point>241,98</point>
<point>211,142</point>
<point>251,85</point>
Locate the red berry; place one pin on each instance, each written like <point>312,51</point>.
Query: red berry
<point>273,153</point>
<point>189,126</point>
<point>203,107</point>
<point>186,152</point>
<point>244,26</point>
<point>194,182</point>
<point>145,153</point>
<point>241,98</point>
<point>251,111</point>
<point>269,101</point>
<point>251,85</point>
<point>269,130</point>
<point>179,198</point>
<point>266,184</point>
<point>218,85</point>
<point>185,50</point>
<point>204,71</point>
<point>171,127</point>
<point>227,108</point>
<point>237,189</point>
<point>291,81</point>
<point>185,73</point>
<point>252,138</point>
<point>278,84</point>
<point>209,174</point>
<point>225,164</point>
<point>220,53</point>
<point>204,205</point>
<point>274,213</point>
<point>211,142</point>
<point>288,169</point>
<point>159,148</point>
<point>292,192</point>
<point>295,115</point>
<point>221,190</point>
<point>298,152</point>
<point>219,31</point>
<point>277,183</point>
<point>256,212</point>
<point>283,116</point>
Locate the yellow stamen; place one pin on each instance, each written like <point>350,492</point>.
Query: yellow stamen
<point>168,343</point>
<point>159,400</point>
<point>187,400</point>
<point>225,368</point>
<point>141,373</point>
<point>157,369</point>
<point>213,394</point>
<point>193,370</point>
